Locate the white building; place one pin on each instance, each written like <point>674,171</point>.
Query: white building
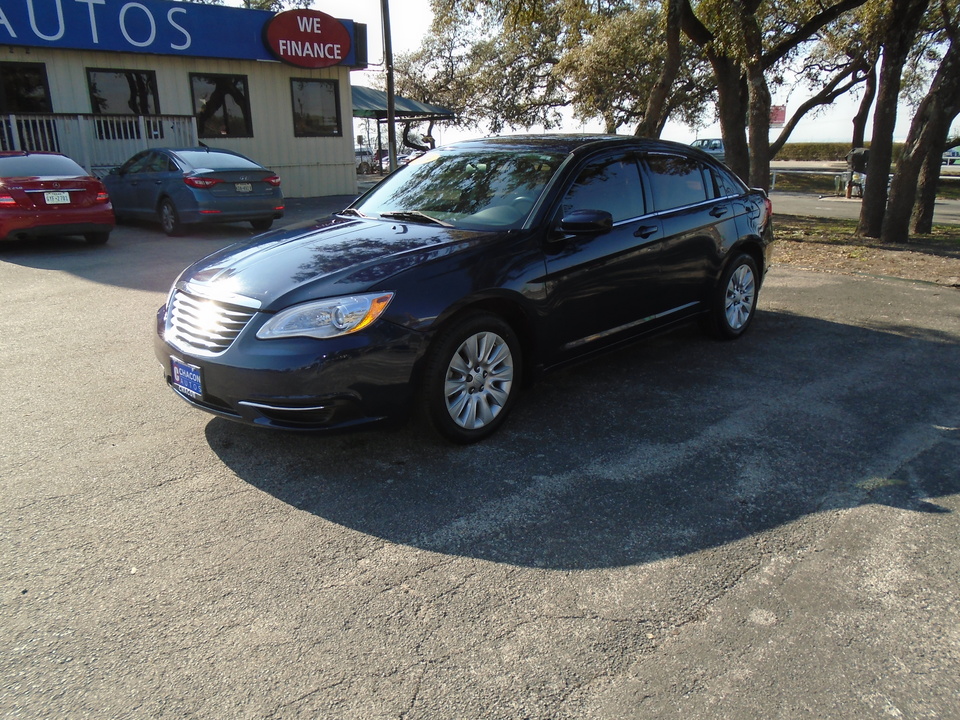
<point>102,79</point>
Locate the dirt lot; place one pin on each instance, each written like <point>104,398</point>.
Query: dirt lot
<point>831,246</point>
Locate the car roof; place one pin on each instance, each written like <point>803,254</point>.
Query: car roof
<point>567,144</point>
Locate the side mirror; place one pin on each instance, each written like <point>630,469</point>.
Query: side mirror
<point>586,222</point>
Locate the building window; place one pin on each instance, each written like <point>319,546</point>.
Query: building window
<point>123,92</point>
<point>316,108</point>
<point>24,88</point>
<point>222,105</point>
<point>23,92</point>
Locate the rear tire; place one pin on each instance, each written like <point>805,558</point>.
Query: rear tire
<point>97,238</point>
<point>169,218</point>
<point>262,224</point>
<point>735,299</point>
<point>471,378</point>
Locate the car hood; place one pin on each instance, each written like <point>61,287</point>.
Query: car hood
<point>339,256</point>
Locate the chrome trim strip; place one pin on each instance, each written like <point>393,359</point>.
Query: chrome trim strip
<point>628,326</point>
<point>218,294</point>
<point>281,408</point>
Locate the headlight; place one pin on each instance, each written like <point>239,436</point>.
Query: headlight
<point>326,318</point>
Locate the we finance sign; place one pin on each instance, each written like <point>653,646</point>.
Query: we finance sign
<point>302,37</point>
<point>307,39</point>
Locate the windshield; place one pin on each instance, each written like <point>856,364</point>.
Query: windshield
<point>481,190</point>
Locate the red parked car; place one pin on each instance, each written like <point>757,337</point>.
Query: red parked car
<point>43,194</point>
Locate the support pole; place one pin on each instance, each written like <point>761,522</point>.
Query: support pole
<point>388,63</point>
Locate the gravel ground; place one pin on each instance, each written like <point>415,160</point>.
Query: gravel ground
<point>810,245</point>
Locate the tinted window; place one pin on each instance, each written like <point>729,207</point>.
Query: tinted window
<point>123,92</point>
<point>222,105</point>
<point>677,181</point>
<point>727,184</point>
<point>30,165</point>
<point>613,186</point>
<point>23,88</point>
<point>316,107</point>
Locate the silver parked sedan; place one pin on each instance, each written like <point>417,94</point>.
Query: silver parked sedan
<point>190,186</point>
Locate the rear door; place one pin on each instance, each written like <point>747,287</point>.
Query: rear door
<point>697,220</point>
<point>154,180</point>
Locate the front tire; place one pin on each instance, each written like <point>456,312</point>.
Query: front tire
<point>169,218</point>
<point>471,378</point>
<point>735,299</point>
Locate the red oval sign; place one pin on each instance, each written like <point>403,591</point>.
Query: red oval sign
<point>307,38</point>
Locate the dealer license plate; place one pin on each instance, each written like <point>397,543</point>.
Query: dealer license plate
<point>244,187</point>
<point>187,378</point>
<point>56,198</point>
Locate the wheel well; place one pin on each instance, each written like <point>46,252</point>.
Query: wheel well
<point>513,315</point>
<point>751,248</point>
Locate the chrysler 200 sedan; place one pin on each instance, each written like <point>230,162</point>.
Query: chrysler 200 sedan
<point>460,277</point>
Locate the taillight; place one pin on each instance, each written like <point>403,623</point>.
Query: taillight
<point>201,182</point>
<point>102,197</point>
<point>273,180</point>
<point>7,200</point>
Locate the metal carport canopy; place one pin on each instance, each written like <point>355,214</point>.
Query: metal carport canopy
<point>370,103</point>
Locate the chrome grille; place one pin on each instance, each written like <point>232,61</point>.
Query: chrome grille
<point>202,326</point>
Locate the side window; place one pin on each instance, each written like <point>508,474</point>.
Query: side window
<point>608,185</point>
<point>222,105</point>
<point>138,163</point>
<point>727,186</point>
<point>157,163</point>
<point>316,108</point>
<point>677,181</point>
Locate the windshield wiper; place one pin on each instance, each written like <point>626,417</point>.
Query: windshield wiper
<point>413,215</point>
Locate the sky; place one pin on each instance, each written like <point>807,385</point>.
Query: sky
<point>410,22</point>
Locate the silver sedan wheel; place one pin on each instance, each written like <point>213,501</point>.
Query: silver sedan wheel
<point>740,297</point>
<point>478,380</point>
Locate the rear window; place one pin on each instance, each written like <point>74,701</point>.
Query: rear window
<point>217,160</point>
<point>39,165</point>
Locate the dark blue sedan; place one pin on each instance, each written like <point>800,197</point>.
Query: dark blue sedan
<point>190,186</point>
<point>460,277</point>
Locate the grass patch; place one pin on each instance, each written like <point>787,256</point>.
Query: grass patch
<point>944,240</point>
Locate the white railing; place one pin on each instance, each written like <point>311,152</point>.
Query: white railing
<point>97,142</point>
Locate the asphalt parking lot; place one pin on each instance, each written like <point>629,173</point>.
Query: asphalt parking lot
<point>683,529</point>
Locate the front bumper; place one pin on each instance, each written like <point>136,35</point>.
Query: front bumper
<point>304,383</point>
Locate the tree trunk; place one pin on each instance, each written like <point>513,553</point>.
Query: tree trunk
<point>732,111</point>
<point>922,218</point>
<point>657,110</point>
<point>866,102</point>
<point>928,134</point>
<point>901,30</point>
<point>759,127</point>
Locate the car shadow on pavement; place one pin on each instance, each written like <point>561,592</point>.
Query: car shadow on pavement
<point>653,452</point>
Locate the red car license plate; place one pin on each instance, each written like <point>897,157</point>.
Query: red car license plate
<point>56,198</point>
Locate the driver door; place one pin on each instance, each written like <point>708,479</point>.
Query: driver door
<point>601,284</point>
